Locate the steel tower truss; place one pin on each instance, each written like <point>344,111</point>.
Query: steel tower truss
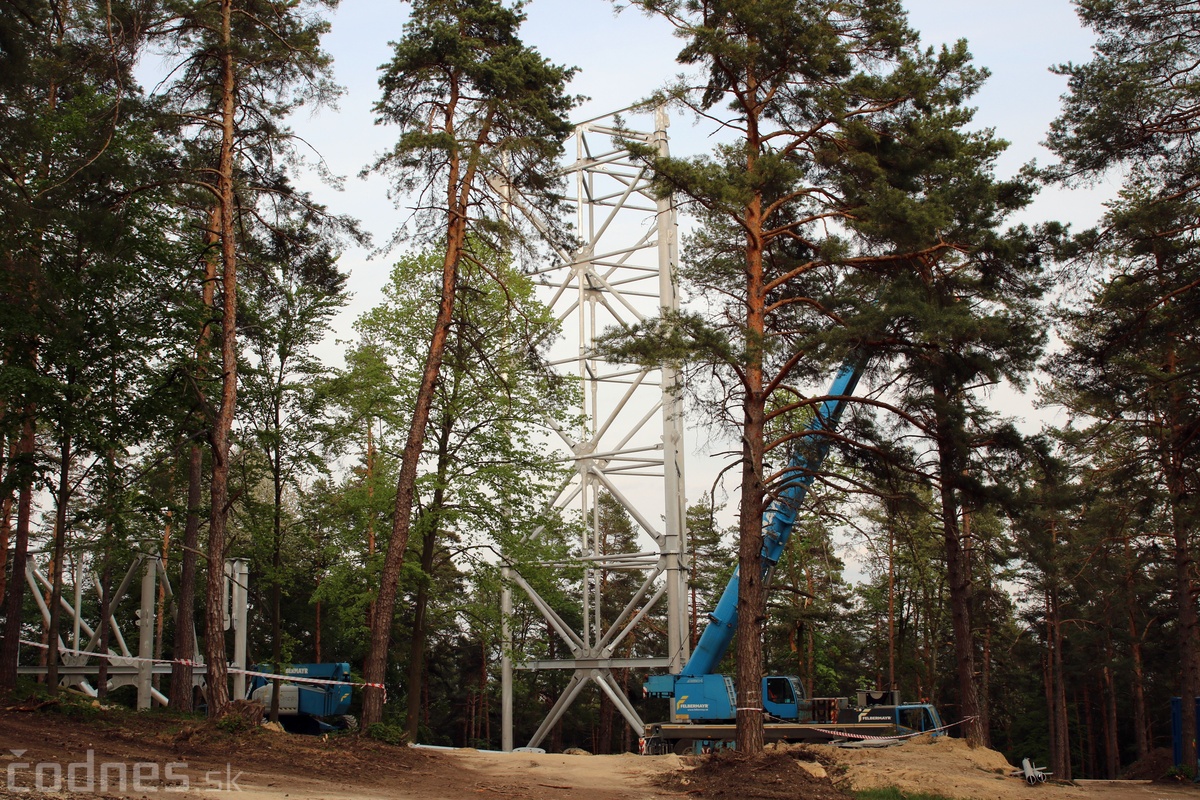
<point>631,444</point>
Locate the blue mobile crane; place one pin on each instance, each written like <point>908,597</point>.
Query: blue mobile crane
<point>703,702</point>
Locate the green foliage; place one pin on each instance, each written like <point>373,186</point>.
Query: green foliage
<point>713,558</point>
<point>1180,772</point>
<point>386,733</point>
<point>1129,373</point>
<point>233,724</point>
<point>471,100</point>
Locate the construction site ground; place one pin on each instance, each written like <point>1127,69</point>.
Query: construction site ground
<point>61,750</point>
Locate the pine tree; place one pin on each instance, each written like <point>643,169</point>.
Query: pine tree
<point>840,126</point>
<point>1134,354</point>
<point>473,103</point>
<point>244,66</point>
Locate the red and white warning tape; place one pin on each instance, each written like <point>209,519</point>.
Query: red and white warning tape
<point>189,663</point>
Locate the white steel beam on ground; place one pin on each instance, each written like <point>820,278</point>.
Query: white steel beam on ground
<point>78,662</point>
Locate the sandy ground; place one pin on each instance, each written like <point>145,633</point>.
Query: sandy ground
<point>949,767</point>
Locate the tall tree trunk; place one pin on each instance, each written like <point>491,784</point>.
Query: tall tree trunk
<point>958,573</point>
<point>16,592</point>
<point>1060,730</point>
<point>370,477</point>
<point>416,661</point>
<point>751,594</point>
<point>62,498</point>
<point>1048,690</point>
<point>185,599</point>
<point>891,602</point>
<point>375,667</point>
<point>604,735</point>
<point>810,636</point>
<point>1112,748</point>
<point>1141,733</point>
<point>276,566</point>
<point>214,636</point>
<point>458,196</point>
<point>1177,438</point>
<point>1089,727</point>
<point>1060,737</point>
<point>1185,599</point>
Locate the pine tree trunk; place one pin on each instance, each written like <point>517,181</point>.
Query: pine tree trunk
<point>1185,600</point>
<point>371,510</point>
<point>16,591</point>
<point>604,736</point>
<point>1138,690</point>
<point>751,594</point>
<point>1060,741</point>
<point>891,603</point>
<point>958,573</point>
<point>185,599</point>
<point>459,185</point>
<point>214,629</point>
<point>1178,438</point>
<point>1089,728</point>
<point>1048,692</point>
<point>375,667</point>
<point>62,497</point>
<point>1112,748</point>
<point>276,566</point>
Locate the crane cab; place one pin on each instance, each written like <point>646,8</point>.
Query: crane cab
<point>783,696</point>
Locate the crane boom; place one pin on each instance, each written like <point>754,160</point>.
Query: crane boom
<point>778,520</point>
<point>704,702</point>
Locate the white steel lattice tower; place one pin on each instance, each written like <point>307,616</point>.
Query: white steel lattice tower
<point>631,445</point>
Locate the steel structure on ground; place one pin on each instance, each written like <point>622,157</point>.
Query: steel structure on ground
<point>79,659</point>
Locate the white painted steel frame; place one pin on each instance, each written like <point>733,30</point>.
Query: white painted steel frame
<point>126,668</point>
<point>631,445</point>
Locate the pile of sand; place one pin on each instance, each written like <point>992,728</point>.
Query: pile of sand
<point>943,766</point>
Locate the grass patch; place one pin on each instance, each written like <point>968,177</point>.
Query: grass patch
<point>892,793</point>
